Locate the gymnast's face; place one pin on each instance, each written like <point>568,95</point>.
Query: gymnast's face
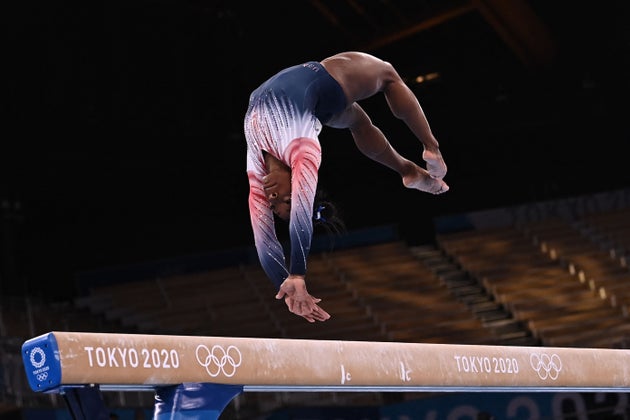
<point>277,186</point>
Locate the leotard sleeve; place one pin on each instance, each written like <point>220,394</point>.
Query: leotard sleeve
<point>270,252</point>
<point>304,156</point>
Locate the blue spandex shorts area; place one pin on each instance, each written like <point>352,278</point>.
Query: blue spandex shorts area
<point>309,86</point>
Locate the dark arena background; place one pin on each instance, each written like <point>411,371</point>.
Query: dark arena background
<point>123,193</point>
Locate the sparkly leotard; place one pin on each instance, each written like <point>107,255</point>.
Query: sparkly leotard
<point>284,118</point>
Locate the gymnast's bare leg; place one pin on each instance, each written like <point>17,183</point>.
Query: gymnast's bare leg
<point>372,142</point>
<point>361,76</point>
<point>405,105</point>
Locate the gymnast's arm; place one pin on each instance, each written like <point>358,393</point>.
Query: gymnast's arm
<point>271,255</point>
<point>270,252</point>
<point>304,157</point>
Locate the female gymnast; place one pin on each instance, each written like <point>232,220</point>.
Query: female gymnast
<point>282,124</point>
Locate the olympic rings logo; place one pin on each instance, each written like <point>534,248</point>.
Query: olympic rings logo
<point>37,351</point>
<point>546,366</point>
<point>218,360</point>
<point>41,377</point>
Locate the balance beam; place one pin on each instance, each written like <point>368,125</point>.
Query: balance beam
<point>58,361</point>
<point>136,361</point>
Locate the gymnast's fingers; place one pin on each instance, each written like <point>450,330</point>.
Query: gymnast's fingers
<point>320,314</point>
<point>290,303</point>
<point>309,318</point>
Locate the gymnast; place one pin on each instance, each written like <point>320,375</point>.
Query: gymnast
<point>282,124</point>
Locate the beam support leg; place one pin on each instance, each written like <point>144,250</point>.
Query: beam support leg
<point>193,401</point>
<point>86,403</point>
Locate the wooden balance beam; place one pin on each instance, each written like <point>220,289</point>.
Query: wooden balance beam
<point>63,361</point>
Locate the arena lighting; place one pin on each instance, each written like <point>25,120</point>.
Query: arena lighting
<point>424,78</point>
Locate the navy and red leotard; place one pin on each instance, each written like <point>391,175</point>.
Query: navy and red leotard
<point>284,118</point>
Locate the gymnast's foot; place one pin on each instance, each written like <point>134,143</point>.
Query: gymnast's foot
<point>420,179</point>
<point>435,164</point>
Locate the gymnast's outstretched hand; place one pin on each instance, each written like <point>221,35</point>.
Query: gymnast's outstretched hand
<point>299,301</point>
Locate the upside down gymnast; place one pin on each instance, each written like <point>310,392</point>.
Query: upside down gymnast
<point>282,126</point>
